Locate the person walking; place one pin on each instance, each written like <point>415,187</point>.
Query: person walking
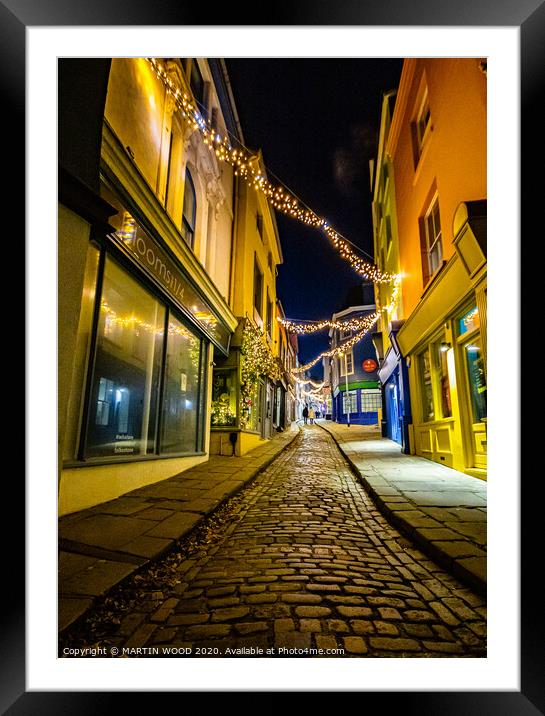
<point>311,415</point>
<point>305,414</point>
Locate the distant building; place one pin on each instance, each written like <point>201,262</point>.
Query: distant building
<point>352,377</point>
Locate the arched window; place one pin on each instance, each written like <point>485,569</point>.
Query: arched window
<point>189,210</point>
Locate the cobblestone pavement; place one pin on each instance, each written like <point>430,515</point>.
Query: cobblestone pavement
<point>307,563</point>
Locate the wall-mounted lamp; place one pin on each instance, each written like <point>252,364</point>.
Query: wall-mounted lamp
<point>445,345</point>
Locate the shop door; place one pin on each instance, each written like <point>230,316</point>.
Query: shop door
<point>392,406</point>
<point>476,387</point>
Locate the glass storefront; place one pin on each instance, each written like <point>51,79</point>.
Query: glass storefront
<point>428,410</point>
<point>441,356</point>
<point>476,378</point>
<point>146,389</point>
<point>224,398</point>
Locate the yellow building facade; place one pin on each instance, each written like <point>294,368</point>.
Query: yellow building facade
<point>435,150</point>
<point>152,263</point>
<point>248,378</point>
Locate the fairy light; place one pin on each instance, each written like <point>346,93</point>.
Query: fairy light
<point>354,324</point>
<point>246,165</point>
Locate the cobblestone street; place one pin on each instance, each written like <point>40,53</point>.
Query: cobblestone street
<point>306,563</point>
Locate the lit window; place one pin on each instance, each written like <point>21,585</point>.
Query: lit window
<point>189,210</point>
<point>433,246</point>
<point>258,288</point>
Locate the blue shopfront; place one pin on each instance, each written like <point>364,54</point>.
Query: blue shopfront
<point>394,377</point>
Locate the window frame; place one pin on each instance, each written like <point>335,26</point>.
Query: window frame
<point>80,459</point>
<point>188,182</point>
<point>258,271</point>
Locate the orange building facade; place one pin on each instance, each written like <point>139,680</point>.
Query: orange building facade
<point>435,150</point>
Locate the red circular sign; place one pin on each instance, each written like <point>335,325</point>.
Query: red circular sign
<point>369,365</point>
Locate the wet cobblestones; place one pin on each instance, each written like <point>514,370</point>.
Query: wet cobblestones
<point>306,562</point>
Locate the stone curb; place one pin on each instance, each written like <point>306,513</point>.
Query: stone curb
<point>135,565</point>
<point>442,558</point>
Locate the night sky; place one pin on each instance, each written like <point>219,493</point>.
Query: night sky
<point>317,122</point>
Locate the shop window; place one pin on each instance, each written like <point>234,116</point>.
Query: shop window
<point>124,394</point>
<point>441,352</point>
<point>371,401</point>
<point>428,410</point>
<point>350,401</point>
<point>129,369</point>
<point>258,288</point>
<point>477,379</point>
<point>181,389</point>
<point>224,398</point>
<point>189,214</point>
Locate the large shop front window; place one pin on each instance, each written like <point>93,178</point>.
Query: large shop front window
<point>126,409</point>
<point>428,410</point>
<point>477,379</point>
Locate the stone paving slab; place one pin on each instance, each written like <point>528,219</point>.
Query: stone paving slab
<point>142,525</point>
<point>441,509</point>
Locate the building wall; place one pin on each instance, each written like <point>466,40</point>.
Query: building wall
<point>453,162</point>
<point>145,151</point>
<point>449,164</point>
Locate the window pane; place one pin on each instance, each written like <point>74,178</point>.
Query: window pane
<point>123,408</point>
<point>224,398</point>
<point>189,210</point>
<point>477,379</point>
<point>443,378</point>
<point>181,389</point>
<point>350,401</point>
<point>258,288</point>
<point>469,321</point>
<point>428,411</point>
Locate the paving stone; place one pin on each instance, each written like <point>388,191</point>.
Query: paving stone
<point>175,526</point>
<point>389,613</point>
<point>311,625</point>
<point>185,619</point>
<point>251,627</point>
<point>292,640</point>
<point>362,626</point>
<point>265,598</point>
<point>338,626</point>
<point>393,644</point>
<point>97,579</point>
<point>205,631</point>
<point>229,614</point>
<point>355,645</point>
<point>296,598</point>
<point>354,611</point>
<point>326,643</point>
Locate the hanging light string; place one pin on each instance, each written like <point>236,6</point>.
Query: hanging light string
<point>354,324</point>
<point>373,318</point>
<point>247,166</point>
<point>317,386</point>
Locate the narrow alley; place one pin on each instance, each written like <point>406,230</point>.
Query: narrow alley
<point>304,566</point>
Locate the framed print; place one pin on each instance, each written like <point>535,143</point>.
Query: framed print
<point>170,381</point>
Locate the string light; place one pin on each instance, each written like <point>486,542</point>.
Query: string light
<point>247,166</point>
<point>354,324</point>
<point>339,350</point>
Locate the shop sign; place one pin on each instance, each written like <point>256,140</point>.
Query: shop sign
<point>369,365</point>
<point>158,264</point>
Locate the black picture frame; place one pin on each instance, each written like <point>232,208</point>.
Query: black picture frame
<point>529,16</point>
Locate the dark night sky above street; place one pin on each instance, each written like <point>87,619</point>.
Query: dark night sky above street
<point>316,121</point>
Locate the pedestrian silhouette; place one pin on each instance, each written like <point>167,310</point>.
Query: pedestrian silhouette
<point>311,415</point>
<point>305,414</point>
